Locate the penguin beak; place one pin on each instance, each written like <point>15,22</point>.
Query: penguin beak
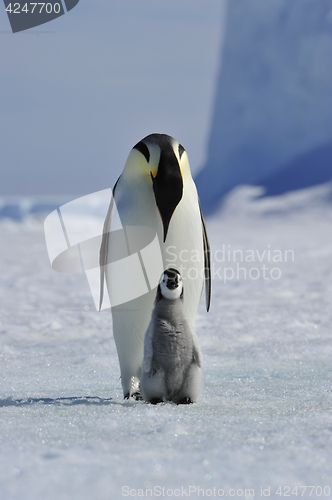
<point>167,188</point>
<point>172,284</point>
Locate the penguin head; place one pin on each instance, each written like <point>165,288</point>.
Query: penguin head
<point>170,285</point>
<point>165,163</point>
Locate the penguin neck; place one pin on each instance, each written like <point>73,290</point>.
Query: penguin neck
<point>169,309</point>
<point>171,295</point>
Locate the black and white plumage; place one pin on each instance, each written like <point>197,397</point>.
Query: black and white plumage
<point>156,190</point>
<point>172,357</point>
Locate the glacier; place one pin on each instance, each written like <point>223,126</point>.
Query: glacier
<point>272,110</point>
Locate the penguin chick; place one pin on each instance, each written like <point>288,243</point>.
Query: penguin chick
<point>172,362</point>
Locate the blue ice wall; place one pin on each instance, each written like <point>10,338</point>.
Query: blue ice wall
<point>273,106</point>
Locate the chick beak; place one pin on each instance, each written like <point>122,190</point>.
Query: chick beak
<point>172,284</point>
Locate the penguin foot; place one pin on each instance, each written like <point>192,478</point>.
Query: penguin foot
<point>155,401</point>
<point>185,401</point>
<point>138,396</point>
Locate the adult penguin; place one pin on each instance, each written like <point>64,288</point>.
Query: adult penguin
<point>155,190</point>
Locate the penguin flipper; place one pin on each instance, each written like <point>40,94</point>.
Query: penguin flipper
<point>197,353</point>
<point>148,349</point>
<point>207,262</point>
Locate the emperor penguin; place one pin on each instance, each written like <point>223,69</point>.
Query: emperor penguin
<point>155,190</point>
<point>172,361</point>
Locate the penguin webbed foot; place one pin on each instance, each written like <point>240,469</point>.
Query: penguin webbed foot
<point>155,401</point>
<point>136,395</point>
<point>184,401</point>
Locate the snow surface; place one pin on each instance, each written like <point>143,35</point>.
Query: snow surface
<point>264,417</point>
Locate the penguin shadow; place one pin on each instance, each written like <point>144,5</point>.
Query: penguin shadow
<point>66,401</point>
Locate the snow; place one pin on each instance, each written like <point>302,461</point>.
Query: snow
<point>264,417</point>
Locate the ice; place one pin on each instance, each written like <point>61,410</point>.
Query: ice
<point>271,123</point>
<point>264,417</point>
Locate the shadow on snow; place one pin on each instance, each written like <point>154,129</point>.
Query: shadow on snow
<point>69,401</point>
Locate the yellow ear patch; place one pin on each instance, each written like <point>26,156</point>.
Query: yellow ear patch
<point>184,165</point>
